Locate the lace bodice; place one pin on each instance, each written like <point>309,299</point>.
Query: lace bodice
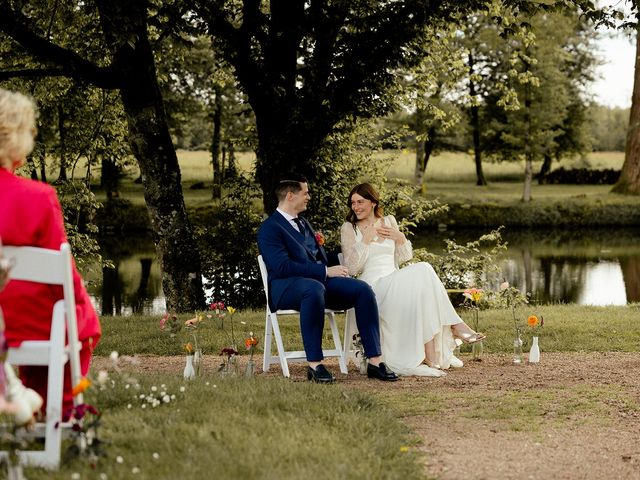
<point>374,260</point>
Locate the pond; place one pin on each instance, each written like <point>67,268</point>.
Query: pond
<point>587,267</point>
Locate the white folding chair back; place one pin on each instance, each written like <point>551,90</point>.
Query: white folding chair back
<point>55,268</point>
<point>272,329</point>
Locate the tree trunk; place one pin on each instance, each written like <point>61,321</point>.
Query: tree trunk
<point>232,169</point>
<point>474,112</point>
<point>419,129</point>
<point>62,176</point>
<point>125,29</point>
<point>216,142</point>
<point>285,147</point>
<point>629,181</point>
<point>43,165</point>
<point>528,155</point>
<point>630,267</point>
<point>545,168</point>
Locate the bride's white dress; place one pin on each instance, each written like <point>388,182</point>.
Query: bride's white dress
<point>413,304</point>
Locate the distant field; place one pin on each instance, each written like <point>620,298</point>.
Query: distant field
<point>460,167</point>
<point>450,176</point>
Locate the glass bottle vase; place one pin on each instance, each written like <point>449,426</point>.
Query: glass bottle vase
<point>534,352</point>
<point>476,351</point>
<point>518,357</point>
<point>189,372</point>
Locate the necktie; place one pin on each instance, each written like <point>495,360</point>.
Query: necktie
<point>299,224</point>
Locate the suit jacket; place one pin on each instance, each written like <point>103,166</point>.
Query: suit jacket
<point>30,215</point>
<point>286,255</point>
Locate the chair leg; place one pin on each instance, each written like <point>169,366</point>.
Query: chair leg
<point>336,341</point>
<point>346,348</point>
<point>280,345</point>
<point>55,383</point>
<point>266,358</point>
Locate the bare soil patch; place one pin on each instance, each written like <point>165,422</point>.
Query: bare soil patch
<point>598,439</point>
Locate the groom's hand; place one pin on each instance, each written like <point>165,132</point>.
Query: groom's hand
<point>337,271</point>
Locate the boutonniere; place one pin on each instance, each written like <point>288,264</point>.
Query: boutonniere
<point>320,238</point>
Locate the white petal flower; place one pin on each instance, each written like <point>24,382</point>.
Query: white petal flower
<point>182,389</point>
<point>135,470</point>
<point>114,356</point>
<point>156,455</point>
<point>154,388</point>
<point>119,459</point>
<point>103,376</point>
<point>166,399</point>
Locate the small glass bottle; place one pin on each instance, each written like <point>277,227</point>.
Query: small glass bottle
<point>518,357</point>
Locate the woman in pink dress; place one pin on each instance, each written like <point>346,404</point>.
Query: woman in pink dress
<point>30,215</point>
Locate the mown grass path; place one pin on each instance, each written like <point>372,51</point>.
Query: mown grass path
<point>574,415</point>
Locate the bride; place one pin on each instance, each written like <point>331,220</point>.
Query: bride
<point>418,324</point>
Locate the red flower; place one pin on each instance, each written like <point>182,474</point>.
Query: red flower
<point>320,238</point>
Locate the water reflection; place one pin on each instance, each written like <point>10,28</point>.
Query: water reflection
<point>588,267</point>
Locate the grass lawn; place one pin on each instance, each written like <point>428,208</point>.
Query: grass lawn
<point>270,427</point>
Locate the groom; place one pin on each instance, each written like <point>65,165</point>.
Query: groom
<point>300,279</point>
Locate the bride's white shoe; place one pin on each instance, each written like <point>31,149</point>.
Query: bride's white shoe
<point>423,370</point>
<point>455,362</point>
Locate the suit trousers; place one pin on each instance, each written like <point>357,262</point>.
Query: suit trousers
<point>311,297</point>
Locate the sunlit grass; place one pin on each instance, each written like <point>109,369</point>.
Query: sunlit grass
<point>568,328</point>
<point>263,428</point>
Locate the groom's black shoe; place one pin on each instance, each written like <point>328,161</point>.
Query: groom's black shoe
<point>320,375</point>
<point>381,372</point>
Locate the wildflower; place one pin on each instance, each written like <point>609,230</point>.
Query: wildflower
<point>163,320</point>
<point>188,348</point>
<point>228,351</point>
<point>103,376</point>
<point>82,385</point>
<point>231,310</point>
<point>156,455</point>
<point>119,459</point>
<point>473,294</point>
<point>251,341</point>
<point>320,238</point>
<point>216,306</point>
<point>504,286</point>
<point>114,356</point>
<point>404,449</point>
<point>532,321</point>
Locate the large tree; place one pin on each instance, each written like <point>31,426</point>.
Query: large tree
<point>119,30</point>
<point>629,181</point>
<point>308,67</point>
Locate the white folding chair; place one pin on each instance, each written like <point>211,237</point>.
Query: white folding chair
<point>350,328</point>
<point>55,268</point>
<point>272,328</point>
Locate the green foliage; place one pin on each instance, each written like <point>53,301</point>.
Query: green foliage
<point>231,267</point>
<point>608,127</point>
<point>79,206</point>
<point>471,264</point>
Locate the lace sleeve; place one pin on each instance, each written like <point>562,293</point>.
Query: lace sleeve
<point>354,251</point>
<point>403,253</point>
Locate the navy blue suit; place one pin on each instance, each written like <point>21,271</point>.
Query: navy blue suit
<point>296,267</point>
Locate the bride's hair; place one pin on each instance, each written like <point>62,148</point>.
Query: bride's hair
<point>367,191</point>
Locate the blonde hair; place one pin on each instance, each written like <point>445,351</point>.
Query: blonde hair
<point>17,127</point>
